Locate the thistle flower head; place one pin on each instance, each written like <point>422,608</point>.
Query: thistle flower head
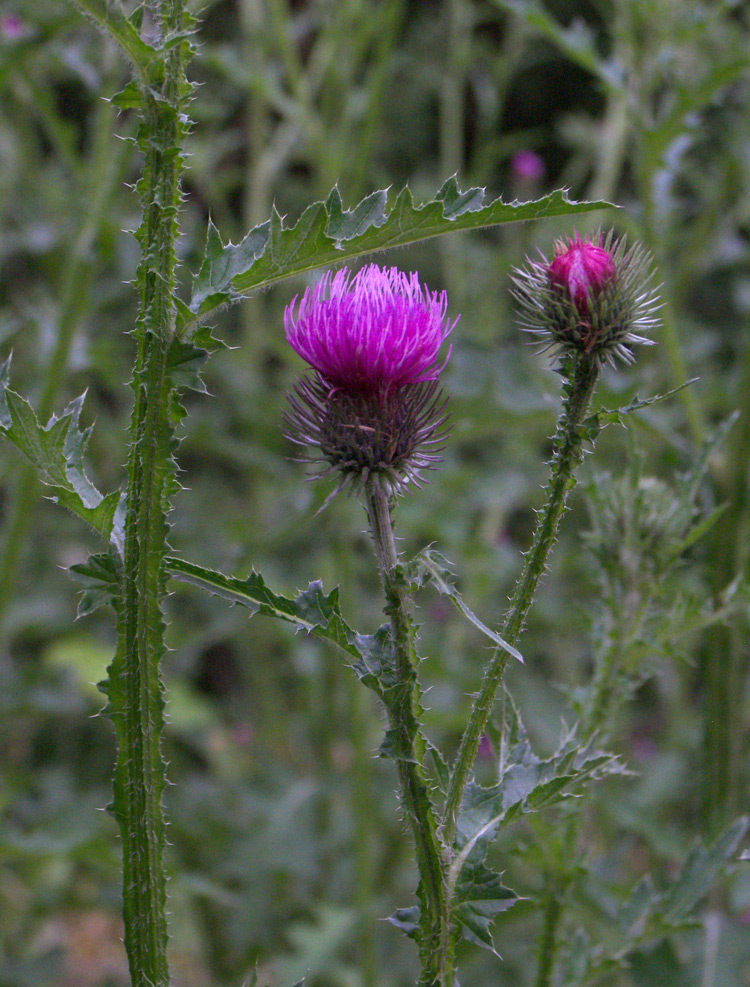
<point>372,402</point>
<point>594,296</point>
<point>378,329</point>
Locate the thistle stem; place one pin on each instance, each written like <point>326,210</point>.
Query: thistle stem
<point>582,373</point>
<point>401,701</point>
<point>135,691</point>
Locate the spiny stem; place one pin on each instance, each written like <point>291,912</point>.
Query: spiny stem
<point>136,701</point>
<point>582,373</point>
<point>401,702</point>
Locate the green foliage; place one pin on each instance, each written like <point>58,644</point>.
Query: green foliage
<point>282,818</point>
<point>326,233</point>
<point>311,611</point>
<point>56,450</point>
<point>430,568</point>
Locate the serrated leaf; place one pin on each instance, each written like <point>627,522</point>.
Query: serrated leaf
<point>526,784</point>
<point>311,610</point>
<point>100,578</point>
<point>187,358</point>
<point>56,450</point>
<point>430,568</point>
<point>700,871</point>
<point>480,897</point>
<point>408,920</point>
<point>327,234</point>
<point>593,425</point>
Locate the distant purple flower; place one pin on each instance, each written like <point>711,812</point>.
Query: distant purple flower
<point>372,404</point>
<point>378,329</point>
<point>12,26</point>
<point>528,165</point>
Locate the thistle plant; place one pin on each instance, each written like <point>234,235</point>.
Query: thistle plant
<point>372,341</point>
<point>372,414</point>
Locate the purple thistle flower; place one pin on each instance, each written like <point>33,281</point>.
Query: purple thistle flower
<point>372,404</point>
<point>378,329</point>
<point>595,296</point>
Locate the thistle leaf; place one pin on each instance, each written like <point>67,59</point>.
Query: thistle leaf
<point>56,450</point>
<point>326,233</point>
<point>700,871</point>
<point>100,578</point>
<point>479,897</point>
<point>430,568</point>
<point>311,610</point>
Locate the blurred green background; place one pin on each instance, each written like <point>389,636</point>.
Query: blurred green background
<point>286,845</point>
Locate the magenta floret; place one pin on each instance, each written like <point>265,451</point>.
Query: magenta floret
<point>582,269</point>
<point>377,329</point>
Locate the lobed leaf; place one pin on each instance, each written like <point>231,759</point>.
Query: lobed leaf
<point>371,655</point>
<point>56,450</point>
<point>700,871</point>
<point>480,896</point>
<point>326,233</point>
<point>100,578</point>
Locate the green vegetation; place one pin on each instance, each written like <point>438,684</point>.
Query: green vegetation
<point>285,844</point>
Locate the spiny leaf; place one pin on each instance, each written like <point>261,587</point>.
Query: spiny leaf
<point>56,450</point>
<point>430,568</point>
<point>526,783</point>
<point>326,233</point>
<point>371,655</point>
<point>409,921</point>
<point>187,358</point>
<point>593,425</point>
<point>479,897</point>
<point>100,578</point>
<point>700,870</point>
<point>124,31</point>
<point>312,610</point>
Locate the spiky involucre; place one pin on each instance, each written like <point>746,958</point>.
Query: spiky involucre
<point>595,296</point>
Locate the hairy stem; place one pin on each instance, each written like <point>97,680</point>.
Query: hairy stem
<point>135,690</point>
<point>582,373</point>
<point>401,701</point>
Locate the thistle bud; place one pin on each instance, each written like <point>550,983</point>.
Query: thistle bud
<point>594,296</point>
<point>372,402</point>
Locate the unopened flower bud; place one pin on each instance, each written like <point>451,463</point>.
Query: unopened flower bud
<point>581,269</point>
<point>372,403</point>
<point>594,296</point>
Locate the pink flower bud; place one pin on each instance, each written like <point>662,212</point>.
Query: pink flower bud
<point>595,297</point>
<point>582,270</point>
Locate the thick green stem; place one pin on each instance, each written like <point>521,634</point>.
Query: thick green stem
<point>135,688</point>
<point>401,701</point>
<point>582,373</point>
